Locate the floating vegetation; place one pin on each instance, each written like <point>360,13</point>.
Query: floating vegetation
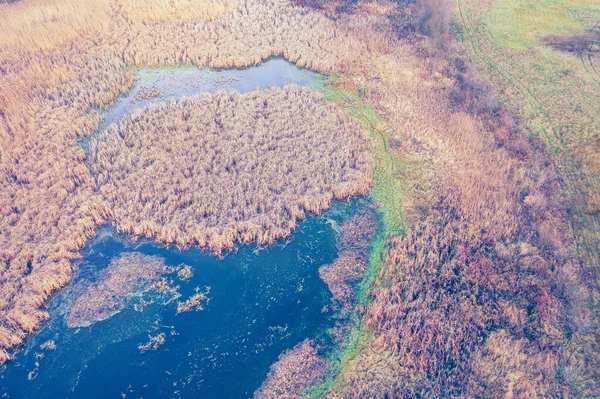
<point>164,285</point>
<point>145,93</point>
<point>255,313</point>
<point>353,241</point>
<point>127,274</point>
<point>185,272</point>
<point>48,345</point>
<point>194,302</point>
<point>295,370</point>
<point>154,342</point>
<point>223,80</point>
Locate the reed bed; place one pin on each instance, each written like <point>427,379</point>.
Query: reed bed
<point>496,302</point>
<point>353,242</point>
<point>295,370</point>
<point>229,167</point>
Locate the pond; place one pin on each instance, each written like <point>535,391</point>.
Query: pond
<point>261,302</point>
<point>255,302</point>
<point>154,85</point>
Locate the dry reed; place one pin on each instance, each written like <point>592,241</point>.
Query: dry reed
<point>226,167</point>
<point>353,241</point>
<point>487,198</point>
<point>295,370</point>
<point>126,274</point>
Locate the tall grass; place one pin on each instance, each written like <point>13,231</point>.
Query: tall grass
<point>227,167</point>
<point>54,75</point>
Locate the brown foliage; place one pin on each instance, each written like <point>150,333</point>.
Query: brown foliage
<point>576,43</point>
<point>460,316</point>
<point>228,167</point>
<point>295,370</point>
<point>194,302</point>
<point>353,242</point>
<point>154,342</point>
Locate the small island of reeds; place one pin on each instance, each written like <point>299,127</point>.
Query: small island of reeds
<point>227,167</point>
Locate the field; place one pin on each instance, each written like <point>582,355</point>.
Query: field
<point>553,93</point>
<point>543,61</point>
<point>482,162</point>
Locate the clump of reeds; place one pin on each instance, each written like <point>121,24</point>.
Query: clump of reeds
<point>185,272</point>
<point>353,242</point>
<point>295,370</point>
<point>154,342</point>
<point>227,167</point>
<point>195,302</point>
<point>126,274</point>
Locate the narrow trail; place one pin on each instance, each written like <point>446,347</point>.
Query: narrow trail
<point>586,60</point>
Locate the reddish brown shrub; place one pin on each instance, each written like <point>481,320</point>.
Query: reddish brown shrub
<point>295,370</point>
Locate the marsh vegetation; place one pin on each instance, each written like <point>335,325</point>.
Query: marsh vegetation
<point>261,303</point>
<point>485,282</point>
<point>229,167</point>
<point>125,275</point>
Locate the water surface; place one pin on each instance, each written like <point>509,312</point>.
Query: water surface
<point>187,81</point>
<point>262,302</point>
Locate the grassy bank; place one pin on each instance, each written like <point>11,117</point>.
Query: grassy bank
<point>554,93</point>
<point>389,193</point>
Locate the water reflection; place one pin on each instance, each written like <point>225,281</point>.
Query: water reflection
<point>160,84</point>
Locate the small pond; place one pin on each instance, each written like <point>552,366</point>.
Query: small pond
<point>154,85</point>
<point>261,302</point>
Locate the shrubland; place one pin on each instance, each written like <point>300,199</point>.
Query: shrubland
<point>478,289</point>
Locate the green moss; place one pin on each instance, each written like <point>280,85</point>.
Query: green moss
<point>388,189</point>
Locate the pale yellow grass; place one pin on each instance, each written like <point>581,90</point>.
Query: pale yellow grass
<point>45,24</point>
<point>48,24</point>
<point>171,10</point>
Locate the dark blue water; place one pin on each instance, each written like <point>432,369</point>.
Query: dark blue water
<point>262,302</point>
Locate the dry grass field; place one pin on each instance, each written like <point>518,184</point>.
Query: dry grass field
<point>478,288</point>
